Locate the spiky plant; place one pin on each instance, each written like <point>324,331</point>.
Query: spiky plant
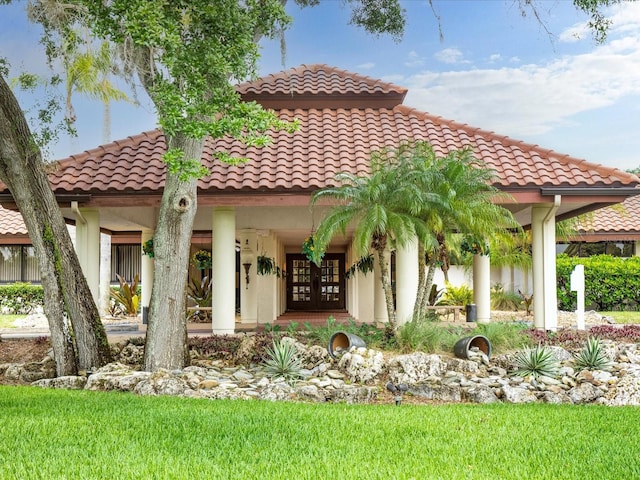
<point>282,360</point>
<point>536,362</point>
<point>592,356</point>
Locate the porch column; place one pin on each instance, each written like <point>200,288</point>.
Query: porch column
<point>146,276</point>
<point>482,287</point>
<point>88,248</point>
<point>248,280</point>
<point>543,257</point>
<point>406,281</point>
<point>380,304</point>
<point>223,271</point>
<point>637,249</point>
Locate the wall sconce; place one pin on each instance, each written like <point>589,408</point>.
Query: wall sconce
<point>247,266</point>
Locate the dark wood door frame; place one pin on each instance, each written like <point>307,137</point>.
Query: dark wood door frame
<point>310,287</point>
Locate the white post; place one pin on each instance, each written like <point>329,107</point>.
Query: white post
<point>482,287</point>
<point>146,276</point>
<point>224,271</point>
<point>577,285</point>
<point>406,281</point>
<point>88,248</point>
<point>248,277</point>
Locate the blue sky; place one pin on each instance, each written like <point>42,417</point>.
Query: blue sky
<point>494,70</point>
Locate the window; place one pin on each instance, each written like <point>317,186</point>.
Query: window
<point>126,261</point>
<point>18,263</point>
<point>587,249</point>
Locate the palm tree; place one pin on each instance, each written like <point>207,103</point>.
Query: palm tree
<point>466,206</point>
<point>379,207</point>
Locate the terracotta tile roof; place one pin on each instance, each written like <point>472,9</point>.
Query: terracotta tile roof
<point>11,223</point>
<point>329,140</point>
<point>620,218</point>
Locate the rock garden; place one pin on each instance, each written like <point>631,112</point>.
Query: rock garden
<point>601,366</point>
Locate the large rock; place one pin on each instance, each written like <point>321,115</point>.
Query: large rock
<point>115,376</point>
<point>443,393</point>
<point>627,390</point>
<point>161,382</point>
<point>517,395</point>
<point>584,393</point>
<point>416,368</point>
<point>362,365</point>
<point>69,382</point>
<point>480,394</point>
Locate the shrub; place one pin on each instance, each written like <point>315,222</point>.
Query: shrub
<point>536,362</point>
<point>592,356</point>
<point>21,298</point>
<point>501,300</point>
<point>282,360</point>
<point>505,335</point>
<point>461,295</point>
<point>427,336</point>
<point>127,295</point>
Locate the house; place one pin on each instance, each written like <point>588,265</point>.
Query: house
<point>262,207</point>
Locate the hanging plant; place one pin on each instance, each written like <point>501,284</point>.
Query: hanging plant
<point>474,245</point>
<point>147,248</point>
<point>312,251</point>
<point>267,266</point>
<point>201,259</point>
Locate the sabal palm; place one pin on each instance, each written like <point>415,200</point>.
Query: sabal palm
<point>378,207</point>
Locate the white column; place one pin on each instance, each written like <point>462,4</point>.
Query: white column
<point>637,252</point>
<point>482,287</point>
<point>248,282</point>
<point>543,257</point>
<point>224,271</point>
<point>88,248</point>
<point>146,276</point>
<point>380,305</point>
<point>406,281</point>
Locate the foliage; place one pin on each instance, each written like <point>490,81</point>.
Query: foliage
<point>364,265</point>
<point>474,245</point>
<point>282,360</point>
<point>201,259</point>
<point>267,266</point>
<point>501,300</point>
<point>536,362</point>
<point>461,295</point>
<point>611,283</point>
<point>527,300</point>
<point>127,295</point>
<point>147,248</point>
<point>427,336</point>
<point>592,356</point>
<point>624,333</point>
<point>372,336</point>
<point>505,336</point>
<point>20,298</point>
<point>217,347</point>
<point>200,291</point>
<point>312,250</point>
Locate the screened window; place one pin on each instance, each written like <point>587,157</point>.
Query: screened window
<point>18,263</point>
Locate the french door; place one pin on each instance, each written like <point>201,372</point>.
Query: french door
<point>310,287</point>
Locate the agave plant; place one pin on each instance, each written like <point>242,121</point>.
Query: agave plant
<point>282,361</point>
<point>592,356</point>
<point>536,362</point>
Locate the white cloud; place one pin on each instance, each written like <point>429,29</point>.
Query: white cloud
<point>533,99</point>
<point>414,60</point>
<point>496,57</point>
<point>366,66</point>
<point>450,55</point>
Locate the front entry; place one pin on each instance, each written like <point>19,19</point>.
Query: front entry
<point>310,287</point>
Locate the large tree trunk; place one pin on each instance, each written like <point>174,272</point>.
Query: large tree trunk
<point>166,343</point>
<point>67,294</point>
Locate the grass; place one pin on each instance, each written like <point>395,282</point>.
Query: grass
<point>6,321</point>
<point>78,434</point>
<point>623,317</point>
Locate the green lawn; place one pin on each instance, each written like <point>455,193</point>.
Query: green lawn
<point>623,317</point>
<point>6,321</point>
<point>64,434</point>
